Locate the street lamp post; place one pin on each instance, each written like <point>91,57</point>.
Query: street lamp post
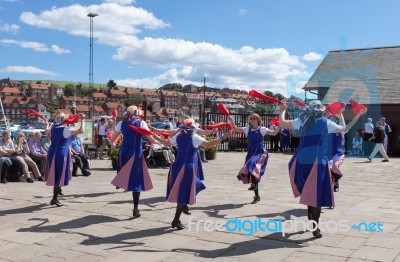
<point>204,103</point>
<point>91,16</point>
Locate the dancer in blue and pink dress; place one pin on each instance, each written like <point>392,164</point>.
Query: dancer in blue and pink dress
<point>184,181</point>
<point>58,170</point>
<point>257,155</point>
<point>336,153</point>
<point>132,173</point>
<point>309,172</point>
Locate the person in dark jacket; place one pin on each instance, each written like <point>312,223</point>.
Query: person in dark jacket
<point>378,138</point>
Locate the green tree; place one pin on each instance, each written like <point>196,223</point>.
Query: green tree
<point>111,84</point>
<point>260,109</point>
<point>69,90</point>
<point>279,96</point>
<point>268,93</point>
<point>135,99</point>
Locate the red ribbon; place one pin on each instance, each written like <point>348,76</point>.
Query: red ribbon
<point>142,131</point>
<point>220,126</point>
<point>334,108</point>
<point>222,109</point>
<point>299,103</point>
<point>274,121</point>
<point>71,120</point>
<point>356,106</point>
<point>258,95</point>
<point>35,113</point>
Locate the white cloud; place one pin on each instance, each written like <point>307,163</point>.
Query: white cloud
<point>10,28</point>
<point>27,70</point>
<point>113,23</point>
<point>40,47</point>
<point>180,60</point>
<point>312,56</point>
<point>121,2</point>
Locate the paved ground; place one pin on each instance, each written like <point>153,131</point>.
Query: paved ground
<point>96,223</point>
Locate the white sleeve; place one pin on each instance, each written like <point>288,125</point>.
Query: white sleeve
<point>245,130</point>
<point>197,140</point>
<point>333,127</point>
<point>118,127</point>
<point>144,125</point>
<point>67,132</point>
<point>296,123</point>
<point>264,130</point>
<point>172,140</point>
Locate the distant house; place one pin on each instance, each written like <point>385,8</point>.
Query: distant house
<point>370,77</point>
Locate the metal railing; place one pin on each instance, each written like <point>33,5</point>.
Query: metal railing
<point>238,141</point>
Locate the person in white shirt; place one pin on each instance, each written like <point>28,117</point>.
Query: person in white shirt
<point>101,134</point>
<point>387,130</point>
<point>368,133</point>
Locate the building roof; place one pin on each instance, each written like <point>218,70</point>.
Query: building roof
<point>99,95</point>
<point>11,90</point>
<point>40,86</point>
<point>117,92</point>
<point>82,108</point>
<point>98,109</point>
<point>78,98</point>
<point>369,76</point>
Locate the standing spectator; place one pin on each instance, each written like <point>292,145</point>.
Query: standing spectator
<point>274,140</point>
<point>174,121</point>
<point>357,144</point>
<point>387,130</point>
<point>22,149</point>
<point>37,151</point>
<point>101,134</point>
<point>81,160</point>
<point>368,133</point>
<point>378,137</point>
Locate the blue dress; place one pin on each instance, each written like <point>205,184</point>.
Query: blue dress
<point>256,158</point>
<point>335,153</point>
<point>184,181</point>
<point>285,137</point>
<point>58,164</point>
<point>309,172</point>
<point>132,172</point>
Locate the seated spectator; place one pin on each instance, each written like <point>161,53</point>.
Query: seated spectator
<point>357,144</point>
<point>22,154</point>
<point>167,152</point>
<point>7,145</point>
<point>80,159</point>
<point>5,163</point>
<point>37,151</point>
<point>203,155</point>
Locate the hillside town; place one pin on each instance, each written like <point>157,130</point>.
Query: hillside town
<point>171,100</point>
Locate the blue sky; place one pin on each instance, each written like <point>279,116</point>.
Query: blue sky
<point>242,44</point>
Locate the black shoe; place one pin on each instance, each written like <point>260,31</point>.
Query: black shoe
<point>135,213</point>
<point>86,172</point>
<point>74,174</point>
<point>55,202</point>
<point>256,199</point>
<point>30,180</point>
<point>60,192</point>
<point>186,210</point>
<point>317,233</point>
<point>253,186</point>
<point>4,181</point>
<point>40,178</point>
<point>336,186</point>
<point>177,224</point>
<point>385,160</point>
